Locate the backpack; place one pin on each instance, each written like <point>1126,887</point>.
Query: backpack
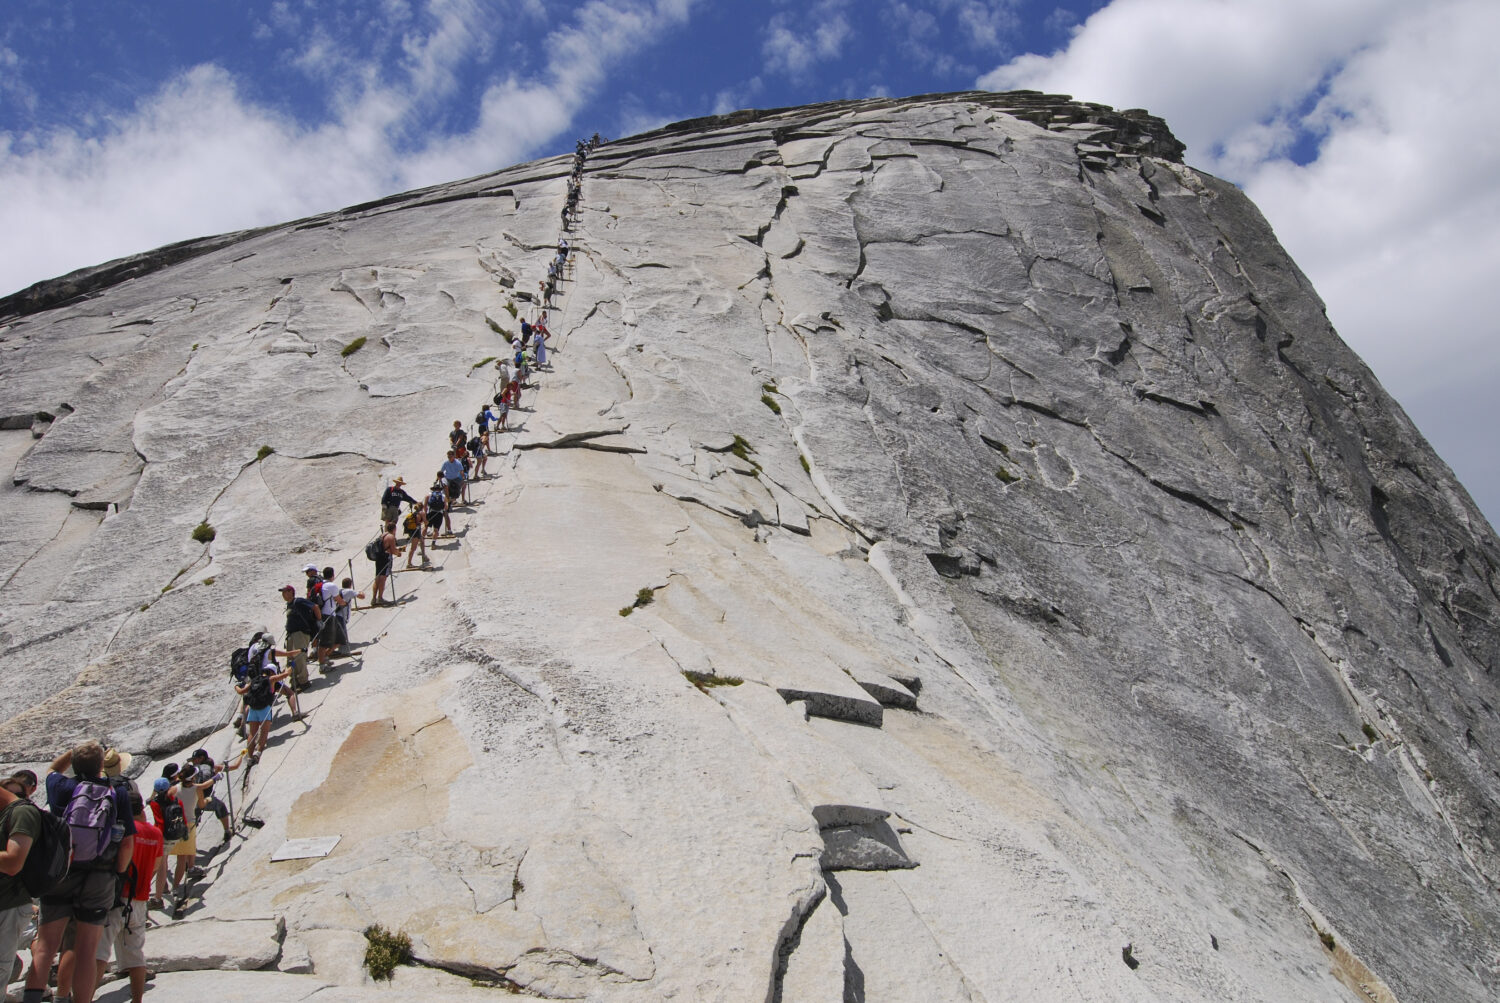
<point>474,445</point>
<point>259,695</point>
<point>173,821</point>
<point>46,863</point>
<point>410,524</point>
<point>239,660</point>
<point>437,501</point>
<point>375,548</point>
<point>90,816</point>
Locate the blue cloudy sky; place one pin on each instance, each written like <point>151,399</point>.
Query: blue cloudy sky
<point>1367,130</point>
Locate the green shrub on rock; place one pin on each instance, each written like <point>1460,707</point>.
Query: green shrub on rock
<point>385,950</point>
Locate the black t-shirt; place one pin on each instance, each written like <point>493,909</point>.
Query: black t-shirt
<point>301,617</point>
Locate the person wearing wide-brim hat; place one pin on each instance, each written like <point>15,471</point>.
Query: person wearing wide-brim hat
<point>391,499</point>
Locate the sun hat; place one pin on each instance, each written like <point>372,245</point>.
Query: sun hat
<point>115,762</point>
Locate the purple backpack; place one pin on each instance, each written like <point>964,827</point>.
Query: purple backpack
<point>91,819</point>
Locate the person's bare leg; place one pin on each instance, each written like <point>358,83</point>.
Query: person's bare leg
<point>137,983</point>
<point>43,950</point>
<point>161,878</point>
<point>85,976</point>
<point>65,963</point>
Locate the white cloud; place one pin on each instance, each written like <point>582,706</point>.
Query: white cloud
<point>197,157</point>
<point>1396,219</point>
<point>796,48</point>
<point>734,98</point>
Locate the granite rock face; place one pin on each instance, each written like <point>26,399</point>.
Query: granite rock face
<point>1045,603</point>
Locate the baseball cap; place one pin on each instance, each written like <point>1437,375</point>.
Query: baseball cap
<point>310,567</point>
<point>162,785</point>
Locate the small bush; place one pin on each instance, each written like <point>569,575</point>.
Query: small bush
<point>770,402</point>
<point>769,388</point>
<point>353,346</point>
<point>645,597</point>
<point>208,581</point>
<point>497,328</point>
<point>483,362</point>
<point>263,452</point>
<point>1006,476</point>
<point>1326,938</point>
<point>806,467</point>
<point>626,610</point>
<point>1370,733</point>
<point>385,950</point>
<point>703,680</point>
<point>203,532</point>
<point>510,308</point>
<point>742,448</point>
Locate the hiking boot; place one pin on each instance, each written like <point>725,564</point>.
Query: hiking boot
<point>194,873</point>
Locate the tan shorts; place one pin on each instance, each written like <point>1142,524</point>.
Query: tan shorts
<point>185,847</point>
<point>127,939</point>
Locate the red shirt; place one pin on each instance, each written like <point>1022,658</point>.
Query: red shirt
<point>148,847</point>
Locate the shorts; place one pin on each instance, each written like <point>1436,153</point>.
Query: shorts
<point>332,632</point>
<point>83,895</point>
<point>126,933</point>
<point>390,513</point>
<point>214,805</point>
<point>383,565</point>
<point>185,847</point>
<point>434,518</point>
<point>455,487</point>
<point>255,716</point>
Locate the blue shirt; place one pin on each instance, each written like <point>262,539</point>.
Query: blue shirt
<point>453,470</point>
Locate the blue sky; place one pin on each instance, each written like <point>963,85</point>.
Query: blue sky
<point>1365,129</point>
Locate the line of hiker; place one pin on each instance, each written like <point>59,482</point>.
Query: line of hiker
<point>79,876</point>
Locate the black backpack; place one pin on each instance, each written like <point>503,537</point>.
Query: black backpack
<point>46,863</point>
<point>375,548</point>
<point>173,822</point>
<point>259,695</point>
<point>239,660</point>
